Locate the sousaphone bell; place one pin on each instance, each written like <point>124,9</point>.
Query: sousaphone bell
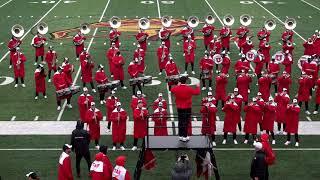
<point>166,21</point>
<point>144,23</point>
<point>17,30</point>
<point>245,20</point>
<point>228,20</point>
<point>115,22</point>
<point>193,21</point>
<point>270,24</point>
<point>85,28</point>
<point>42,28</point>
<point>210,19</point>
<point>290,23</point>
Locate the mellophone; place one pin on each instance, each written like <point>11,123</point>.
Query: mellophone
<point>110,85</point>
<point>143,80</point>
<point>175,78</point>
<point>67,91</point>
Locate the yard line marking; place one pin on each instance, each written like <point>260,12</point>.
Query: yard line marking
<point>214,12</point>
<point>79,70</point>
<point>279,44</point>
<point>311,5</point>
<point>277,18</point>
<point>310,16</point>
<point>309,119</point>
<point>159,12</point>
<point>1,43</point>
<point>13,118</point>
<point>218,118</point>
<point>5,3</point>
<point>26,33</point>
<point>104,118</point>
<point>36,118</point>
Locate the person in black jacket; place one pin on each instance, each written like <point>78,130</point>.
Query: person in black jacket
<point>80,140</point>
<point>259,167</point>
<point>182,170</point>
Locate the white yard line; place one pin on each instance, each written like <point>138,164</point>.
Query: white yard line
<point>36,118</point>
<point>277,18</point>
<point>104,118</point>
<point>311,5</point>
<point>5,3</point>
<point>26,33</point>
<point>218,118</point>
<point>13,118</point>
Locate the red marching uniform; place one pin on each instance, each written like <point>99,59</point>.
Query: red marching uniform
<point>246,46</point>
<point>140,122</point>
<point>64,167</point>
<point>78,41</point>
<point>38,43</point>
<point>263,35</point>
<point>242,66</point>
<point>253,116</point>
<point>215,46</point>
<point>284,81</point>
<point>84,55</point>
<point>84,102</point>
<point>119,172</point>
<point>221,84</point>
<point>118,73</point>
<point>288,47</point>
<point>206,67</point>
<point>208,112</point>
<point>101,77</point>
<point>259,61</point>
<point>111,105</point>
<point>142,37</point>
<point>269,116</point>
<point>265,50</point>
<point>114,37</point>
<point>282,101</point>
<point>225,34</point>
<point>273,68</point>
<point>309,48</point>
<point>110,54</point>
<point>225,64</point>
<point>93,118</point>
<point>163,56</point>
<point>119,126</point>
<point>243,84</point>
<point>12,45</point>
<point>287,62</point>
<point>286,36</point>
<point>311,69</point>
<point>60,82</point>
<point>164,35</point>
<point>207,31</point>
<point>133,70</point>
<point>18,60</point>
<point>156,102</point>
<point>134,102</point>
<point>292,119</point>
<point>318,91</point>
<point>100,170</point>
<point>264,83</point>
<point>160,117</point>
<point>230,122</point>
<point>68,70</point>
<point>51,57</point>
<point>140,55</point>
<point>171,69</point>
<point>187,31</point>
<point>40,81</point>
<point>86,71</point>
<point>242,33</point>
<point>189,47</point>
<point>305,84</point>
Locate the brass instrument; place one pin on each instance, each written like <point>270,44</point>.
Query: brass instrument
<point>166,21</point>
<point>42,28</point>
<point>115,22</point>
<point>17,30</point>
<point>210,19</point>
<point>228,20</point>
<point>193,21</point>
<point>85,28</point>
<point>290,23</point>
<point>144,23</point>
<point>270,24</point>
<point>245,19</point>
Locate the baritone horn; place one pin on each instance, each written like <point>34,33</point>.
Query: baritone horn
<point>245,19</point>
<point>115,22</point>
<point>270,24</point>
<point>166,21</point>
<point>144,23</point>
<point>42,28</point>
<point>17,30</point>
<point>85,28</point>
<point>210,19</point>
<point>193,21</point>
<point>290,23</point>
<point>228,20</point>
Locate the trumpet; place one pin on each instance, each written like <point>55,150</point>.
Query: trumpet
<point>17,30</point>
<point>245,19</point>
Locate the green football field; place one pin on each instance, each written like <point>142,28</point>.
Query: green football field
<point>18,104</point>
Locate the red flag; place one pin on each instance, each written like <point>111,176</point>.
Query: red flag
<point>149,160</point>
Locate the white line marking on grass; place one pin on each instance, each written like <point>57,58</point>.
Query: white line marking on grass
<point>159,12</point>
<point>5,3</point>
<point>26,33</point>
<point>20,16</point>
<point>218,118</point>
<point>31,16</point>
<point>13,118</point>
<point>79,70</point>
<point>279,44</point>
<point>1,43</point>
<point>308,118</point>
<point>310,16</point>
<point>311,5</point>
<point>36,118</point>
<point>277,18</point>
<point>8,16</point>
<point>104,118</point>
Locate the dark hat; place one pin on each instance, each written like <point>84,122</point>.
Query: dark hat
<point>66,146</point>
<point>103,149</point>
<point>32,175</point>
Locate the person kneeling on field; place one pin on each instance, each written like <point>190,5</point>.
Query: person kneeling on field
<point>182,170</point>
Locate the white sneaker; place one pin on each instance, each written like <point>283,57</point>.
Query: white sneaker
<point>184,139</point>
<point>273,142</point>
<point>217,71</point>
<point>97,147</point>
<point>203,88</point>
<point>180,138</point>
<point>134,148</point>
<point>245,142</point>
<point>160,73</point>
<point>315,112</point>
<point>10,66</point>
<point>307,112</point>
<point>193,72</point>
<point>188,138</point>
<point>36,97</point>
<point>284,133</point>
<point>58,108</point>
<point>214,144</point>
<point>297,144</point>
<point>104,101</point>
<point>108,130</point>
<point>114,148</point>
<point>16,85</point>
<point>210,88</point>
<point>77,59</point>
<point>35,64</point>
<point>122,148</point>
<point>235,141</point>
<point>224,141</point>
<point>101,102</point>
<point>49,80</point>
<point>94,90</point>
<point>69,106</point>
<point>254,142</point>
<point>112,75</point>
<point>124,87</point>
<point>23,85</point>
<point>45,97</point>
<point>287,143</point>
<point>43,62</point>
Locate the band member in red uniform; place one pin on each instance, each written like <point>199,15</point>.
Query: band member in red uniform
<point>242,65</point>
<point>253,116</point>
<point>110,106</point>
<point>112,51</point>
<point>38,42</point>
<point>243,84</point>
<point>51,59</point>
<point>246,46</point>
<point>225,63</point>
<point>135,99</point>
<point>84,102</point>
<point>78,41</point>
<point>18,60</point>
<point>164,35</point>
<point>284,81</point>
<point>118,118</point>
<point>119,171</point>
<point>140,54</point>
<point>160,117</point>
<point>114,37</point>
<point>265,50</point>
<point>171,69</point>
<point>208,111</point>
<point>282,99</point>
<point>310,67</point>
<point>118,73</point>
<point>309,48</point>
<point>207,31</point>
<point>238,99</point>
<point>133,71</point>
<point>264,83</point>
<point>305,84</point>
<point>288,46</point>
<point>158,100</point>
<point>68,69</point>
<point>40,81</point>
<point>140,118</point>
<point>263,35</point>
<point>269,116</point>
<point>225,35</point>
<point>215,45</point>
<point>60,82</point>
<point>93,118</point>
<point>230,122</point>
<point>242,33</point>
<point>187,31</point>
<point>273,70</point>
<point>317,100</point>
<point>287,36</point>
<point>101,78</point>
<point>259,61</point>
<point>142,37</point>
<point>287,62</point>
<point>99,169</point>
<point>206,68</point>
<point>163,56</point>
<point>86,73</point>
<point>13,44</point>
<point>204,100</point>
<point>84,55</point>
<point>221,84</point>
<point>64,168</point>
<point>292,122</point>
<point>183,97</point>
<point>189,47</point>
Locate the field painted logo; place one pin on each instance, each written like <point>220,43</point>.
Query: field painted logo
<point>7,80</point>
<point>128,26</point>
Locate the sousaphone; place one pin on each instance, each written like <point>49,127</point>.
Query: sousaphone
<point>115,22</point>
<point>166,21</point>
<point>17,30</point>
<point>228,20</point>
<point>270,24</point>
<point>290,23</point>
<point>85,28</point>
<point>144,23</point>
<point>193,21</point>
<point>245,20</point>
<point>42,28</point>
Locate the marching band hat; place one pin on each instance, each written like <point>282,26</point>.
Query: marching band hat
<point>236,89</point>
<point>118,104</point>
<point>160,104</point>
<point>209,93</point>
<point>113,92</point>
<point>160,95</point>
<point>257,146</point>
<point>139,93</point>
<point>259,94</point>
<point>100,66</point>
<point>254,99</point>
<point>294,100</point>
<point>284,89</point>
<point>243,56</point>
<point>270,98</point>
<point>93,103</point>
<point>32,175</point>
<point>85,89</point>
<point>66,146</point>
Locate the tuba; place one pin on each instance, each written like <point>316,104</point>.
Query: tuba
<point>290,23</point>
<point>115,22</point>
<point>166,21</point>
<point>85,28</point>
<point>144,23</point>
<point>210,19</point>
<point>42,28</point>
<point>193,21</point>
<point>270,24</point>
<point>245,20</point>
<point>17,30</point>
<point>228,20</point>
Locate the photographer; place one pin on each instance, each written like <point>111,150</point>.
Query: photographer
<point>182,170</point>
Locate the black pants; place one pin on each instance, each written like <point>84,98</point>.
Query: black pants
<point>109,124</point>
<point>68,101</point>
<point>121,83</point>
<point>115,144</point>
<point>204,82</point>
<point>279,126</point>
<point>101,96</point>
<point>234,136</point>
<point>306,103</point>
<point>44,93</point>
<point>246,137</point>
<point>272,134</point>
<point>317,107</point>
<point>239,126</point>
<point>21,79</point>
<point>78,160</point>
<point>134,87</point>
<point>36,60</point>
<point>296,136</point>
<point>135,141</point>
<point>222,103</point>
<point>91,83</point>
<point>184,116</point>
<point>186,66</point>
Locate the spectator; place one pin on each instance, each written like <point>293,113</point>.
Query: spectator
<point>182,169</point>
<point>259,167</point>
